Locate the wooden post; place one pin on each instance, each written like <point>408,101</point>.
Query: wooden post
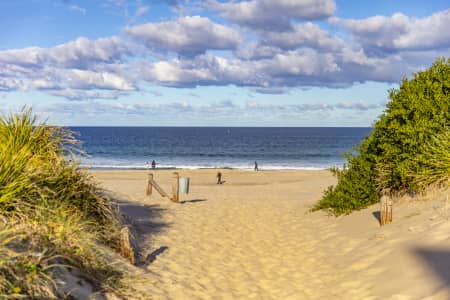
<point>175,191</point>
<point>126,248</point>
<point>389,210</point>
<point>149,184</point>
<point>385,210</point>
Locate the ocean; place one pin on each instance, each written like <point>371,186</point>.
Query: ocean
<point>273,148</point>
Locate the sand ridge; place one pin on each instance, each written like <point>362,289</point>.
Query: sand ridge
<point>254,238</point>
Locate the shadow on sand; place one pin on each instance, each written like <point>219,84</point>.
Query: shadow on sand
<point>146,222</point>
<point>143,218</point>
<point>377,215</point>
<point>437,260</point>
<point>192,201</point>
<point>153,255</point>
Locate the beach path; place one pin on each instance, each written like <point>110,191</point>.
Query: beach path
<point>253,237</point>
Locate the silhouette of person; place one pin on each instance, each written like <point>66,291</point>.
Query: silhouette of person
<point>153,164</point>
<point>256,165</point>
<point>219,178</point>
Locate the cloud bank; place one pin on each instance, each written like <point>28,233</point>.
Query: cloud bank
<point>267,46</point>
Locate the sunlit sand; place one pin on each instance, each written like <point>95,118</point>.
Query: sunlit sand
<point>253,237</point>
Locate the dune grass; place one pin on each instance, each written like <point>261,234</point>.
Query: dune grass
<point>51,213</point>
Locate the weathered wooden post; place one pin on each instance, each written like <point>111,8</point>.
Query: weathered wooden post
<point>175,188</point>
<point>385,210</point>
<point>389,210</point>
<point>149,184</point>
<point>126,247</point>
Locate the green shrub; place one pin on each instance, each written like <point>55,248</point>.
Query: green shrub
<point>387,159</point>
<point>433,164</point>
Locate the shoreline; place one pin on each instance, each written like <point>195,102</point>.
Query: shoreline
<point>119,168</point>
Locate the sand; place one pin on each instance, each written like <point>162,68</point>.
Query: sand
<point>253,237</point>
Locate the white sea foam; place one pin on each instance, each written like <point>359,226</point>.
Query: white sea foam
<point>195,167</point>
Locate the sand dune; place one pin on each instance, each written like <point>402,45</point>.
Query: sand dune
<point>254,238</point>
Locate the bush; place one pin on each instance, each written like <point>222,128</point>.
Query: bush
<point>433,164</point>
<point>387,160</point>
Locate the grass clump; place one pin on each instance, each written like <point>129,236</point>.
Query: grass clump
<point>395,157</point>
<point>51,213</point>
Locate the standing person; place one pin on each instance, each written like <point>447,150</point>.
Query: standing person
<point>153,164</point>
<point>256,165</point>
<point>219,178</point>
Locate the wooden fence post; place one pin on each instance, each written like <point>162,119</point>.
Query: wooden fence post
<point>126,247</point>
<point>389,210</point>
<point>175,188</point>
<point>149,184</point>
<point>385,210</point>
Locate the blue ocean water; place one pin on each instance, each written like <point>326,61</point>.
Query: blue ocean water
<point>210,147</point>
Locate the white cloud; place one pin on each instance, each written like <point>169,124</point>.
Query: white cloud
<point>81,94</point>
<point>82,64</point>
<point>303,35</point>
<point>211,111</point>
<point>305,67</point>
<point>83,79</point>
<point>400,32</point>
<point>273,15</point>
<point>187,35</point>
<point>78,9</point>
<point>142,10</point>
<point>79,53</point>
<point>386,49</point>
<point>255,51</point>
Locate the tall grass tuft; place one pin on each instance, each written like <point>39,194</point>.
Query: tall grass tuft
<point>55,212</point>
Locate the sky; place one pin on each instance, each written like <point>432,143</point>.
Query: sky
<point>214,63</point>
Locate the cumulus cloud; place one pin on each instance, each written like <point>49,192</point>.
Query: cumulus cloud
<point>84,79</point>
<point>300,67</point>
<point>78,65</point>
<point>79,53</point>
<point>380,34</point>
<point>273,15</point>
<point>383,49</point>
<point>256,50</point>
<point>303,35</point>
<point>303,68</point>
<point>187,36</point>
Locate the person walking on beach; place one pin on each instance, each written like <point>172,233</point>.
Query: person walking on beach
<point>219,178</point>
<point>153,164</point>
<point>256,165</point>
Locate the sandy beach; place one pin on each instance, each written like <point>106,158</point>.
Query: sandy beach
<point>253,237</point>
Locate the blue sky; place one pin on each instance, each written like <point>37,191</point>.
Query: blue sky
<point>214,63</point>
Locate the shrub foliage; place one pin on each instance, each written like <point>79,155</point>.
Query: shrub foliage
<point>395,157</point>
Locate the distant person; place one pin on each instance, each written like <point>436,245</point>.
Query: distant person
<point>153,164</point>
<point>219,178</point>
<point>256,166</point>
